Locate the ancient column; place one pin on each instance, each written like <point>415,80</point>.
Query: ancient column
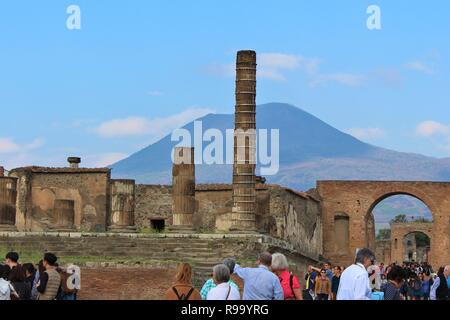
<point>183,190</point>
<point>2,172</point>
<point>8,194</point>
<point>244,180</point>
<point>122,206</point>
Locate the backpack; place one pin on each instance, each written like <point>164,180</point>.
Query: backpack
<point>183,297</point>
<point>417,285</point>
<point>64,287</point>
<point>377,295</point>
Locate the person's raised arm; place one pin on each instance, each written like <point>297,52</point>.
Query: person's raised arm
<point>241,272</point>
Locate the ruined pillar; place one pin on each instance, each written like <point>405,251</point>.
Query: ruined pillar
<point>122,206</point>
<point>184,205</point>
<point>8,194</point>
<point>2,172</point>
<point>74,162</point>
<point>244,180</point>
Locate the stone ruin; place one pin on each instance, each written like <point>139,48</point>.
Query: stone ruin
<point>331,221</point>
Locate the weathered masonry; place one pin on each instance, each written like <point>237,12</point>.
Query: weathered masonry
<point>348,222</point>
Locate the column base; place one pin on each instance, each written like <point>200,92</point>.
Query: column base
<point>7,228</point>
<point>181,229</point>
<point>122,229</point>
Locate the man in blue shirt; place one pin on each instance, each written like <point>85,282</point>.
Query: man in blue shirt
<point>260,283</point>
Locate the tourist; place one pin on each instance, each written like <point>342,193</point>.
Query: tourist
<point>395,279</point>
<point>427,282</point>
<point>289,282</point>
<point>415,285</point>
<point>12,261</point>
<point>210,284</point>
<point>323,286</point>
<point>329,271</point>
<point>32,277</point>
<point>5,286</point>
<point>374,277</point>
<point>310,280</point>
<point>50,280</point>
<point>21,287</point>
<point>335,281</point>
<point>223,290</point>
<point>183,289</point>
<point>355,279</point>
<point>440,289</point>
<point>67,292</point>
<point>260,283</point>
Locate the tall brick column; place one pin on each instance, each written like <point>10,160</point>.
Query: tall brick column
<point>244,180</point>
<point>184,204</point>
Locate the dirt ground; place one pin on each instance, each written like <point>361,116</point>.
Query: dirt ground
<point>125,284</point>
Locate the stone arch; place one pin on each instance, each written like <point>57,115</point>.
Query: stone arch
<point>397,245</point>
<point>358,198</point>
<point>399,231</point>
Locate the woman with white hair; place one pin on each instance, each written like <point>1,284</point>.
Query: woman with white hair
<point>289,282</point>
<point>223,290</point>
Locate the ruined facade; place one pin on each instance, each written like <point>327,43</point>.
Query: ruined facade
<point>330,222</point>
<point>347,214</point>
<point>62,199</point>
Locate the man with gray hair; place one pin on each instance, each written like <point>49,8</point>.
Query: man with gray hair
<point>210,284</point>
<point>354,283</point>
<point>440,289</point>
<point>223,290</point>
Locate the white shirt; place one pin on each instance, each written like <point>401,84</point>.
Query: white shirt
<point>221,291</point>
<point>354,284</point>
<point>5,290</point>
<point>436,284</point>
<point>376,276</point>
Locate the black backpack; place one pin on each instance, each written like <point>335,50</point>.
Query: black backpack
<point>183,297</point>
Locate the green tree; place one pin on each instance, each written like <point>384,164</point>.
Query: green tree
<point>400,219</point>
<point>422,239</point>
<point>384,234</point>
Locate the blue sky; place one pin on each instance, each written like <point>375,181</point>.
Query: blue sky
<point>138,69</point>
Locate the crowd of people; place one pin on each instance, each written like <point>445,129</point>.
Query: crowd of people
<point>272,280</point>
<point>43,281</point>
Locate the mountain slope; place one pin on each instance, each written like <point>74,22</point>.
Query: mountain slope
<point>310,150</point>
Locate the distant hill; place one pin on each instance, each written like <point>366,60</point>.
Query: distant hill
<point>310,150</point>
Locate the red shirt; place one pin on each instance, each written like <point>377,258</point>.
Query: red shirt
<point>285,279</point>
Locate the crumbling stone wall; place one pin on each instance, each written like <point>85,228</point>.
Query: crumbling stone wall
<point>39,189</point>
<point>153,202</point>
<point>296,218</point>
<point>358,198</point>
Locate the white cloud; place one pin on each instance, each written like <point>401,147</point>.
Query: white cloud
<point>273,66</point>
<point>432,128</point>
<point>367,133</point>
<point>419,66</point>
<point>156,127</point>
<point>8,146</point>
<point>15,154</point>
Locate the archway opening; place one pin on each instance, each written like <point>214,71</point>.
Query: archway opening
<point>416,247</point>
<point>404,211</point>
